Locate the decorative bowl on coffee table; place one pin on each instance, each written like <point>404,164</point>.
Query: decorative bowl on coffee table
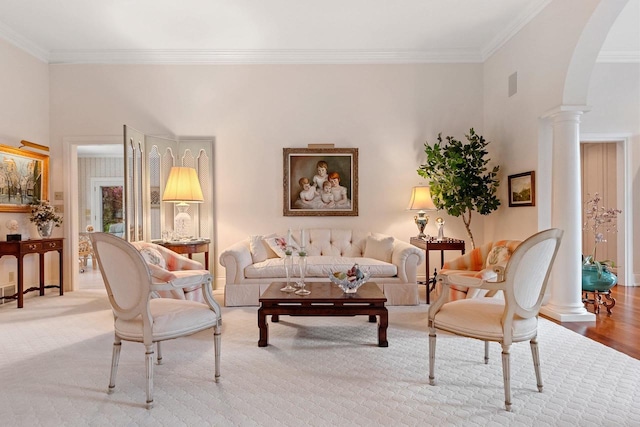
<point>350,285</point>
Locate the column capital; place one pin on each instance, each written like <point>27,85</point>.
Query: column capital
<point>562,111</point>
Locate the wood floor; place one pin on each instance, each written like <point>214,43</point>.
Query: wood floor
<point>620,329</point>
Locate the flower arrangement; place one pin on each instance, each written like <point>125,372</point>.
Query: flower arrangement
<point>599,220</point>
<point>42,213</point>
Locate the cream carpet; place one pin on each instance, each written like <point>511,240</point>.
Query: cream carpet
<point>55,357</point>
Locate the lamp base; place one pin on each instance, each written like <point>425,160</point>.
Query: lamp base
<point>182,221</point>
<point>421,221</point>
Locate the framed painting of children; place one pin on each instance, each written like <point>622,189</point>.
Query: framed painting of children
<point>24,179</point>
<point>320,182</point>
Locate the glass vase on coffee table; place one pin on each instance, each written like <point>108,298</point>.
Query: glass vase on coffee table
<point>302,266</point>
<point>288,270</point>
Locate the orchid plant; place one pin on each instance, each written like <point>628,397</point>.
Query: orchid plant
<point>599,221</point>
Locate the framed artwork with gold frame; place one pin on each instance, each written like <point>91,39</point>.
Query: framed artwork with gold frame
<point>24,178</point>
<point>320,182</point>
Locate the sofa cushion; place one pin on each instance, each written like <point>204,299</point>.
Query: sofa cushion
<point>278,244</point>
<point>257,248</point>
<point>153,256</point>
<point>320,266</point>
<point>379,247</point>
<point>499,255</point>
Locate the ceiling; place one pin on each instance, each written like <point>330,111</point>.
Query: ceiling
<point>280,31</point>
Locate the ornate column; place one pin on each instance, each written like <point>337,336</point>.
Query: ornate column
<point>565,303</point>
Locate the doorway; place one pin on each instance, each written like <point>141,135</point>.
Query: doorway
<point>106,205</point>
<point>604,162</point>
<point>81,155</point>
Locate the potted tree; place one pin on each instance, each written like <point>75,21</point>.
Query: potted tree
<point>460,179</point>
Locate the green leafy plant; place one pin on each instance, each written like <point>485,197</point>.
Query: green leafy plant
<point>459,178</point>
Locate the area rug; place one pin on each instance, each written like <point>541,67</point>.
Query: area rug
<point>55,357</point>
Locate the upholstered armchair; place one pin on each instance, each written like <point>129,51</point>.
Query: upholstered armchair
<point>138,317</point>
<point>513,319</point>
<point>478,263</point>
<point>166,265</point>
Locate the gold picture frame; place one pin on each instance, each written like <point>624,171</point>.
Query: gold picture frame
<point>338,198</point>
<point>24,178</point>
<point>522,189</point>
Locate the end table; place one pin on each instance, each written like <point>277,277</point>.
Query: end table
<point>432,244</point>
<point>188,247</point>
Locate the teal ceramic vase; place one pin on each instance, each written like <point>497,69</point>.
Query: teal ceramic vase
<point>593,280</point>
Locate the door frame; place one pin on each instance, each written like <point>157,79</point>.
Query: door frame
<point>71,226</point>
<point>623,170</point>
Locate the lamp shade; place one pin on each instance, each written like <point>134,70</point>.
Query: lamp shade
<point>421,199</point>
<point>182,186</point>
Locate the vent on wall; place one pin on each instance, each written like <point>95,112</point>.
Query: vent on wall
<point>513,84</point>
<point>7,291</point>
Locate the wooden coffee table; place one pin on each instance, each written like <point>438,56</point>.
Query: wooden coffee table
<point>326,299</point>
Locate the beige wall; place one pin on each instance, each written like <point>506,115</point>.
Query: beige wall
<point>614,97</point>
<point>24,114</point>
<point>540,55</point>
<point>387,111</point>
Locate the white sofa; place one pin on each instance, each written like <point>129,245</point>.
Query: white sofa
<point>252,264</point>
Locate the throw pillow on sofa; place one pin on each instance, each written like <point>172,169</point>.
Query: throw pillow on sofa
<point>258,249</point>
<point>379,248</point>
<point>499,255</point>
<point>278,244</point>
<point>154,257</point>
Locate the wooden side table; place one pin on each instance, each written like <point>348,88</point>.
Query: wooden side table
<point>21,248</point>
<point>432,244</point>
<point>189,248</point>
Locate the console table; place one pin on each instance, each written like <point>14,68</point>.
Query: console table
<point>19,249</point>
<point>432,244</point>
<point>188,247</point>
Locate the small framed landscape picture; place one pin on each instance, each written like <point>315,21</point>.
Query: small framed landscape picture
<point>320,182</point>
<point>522,189</point>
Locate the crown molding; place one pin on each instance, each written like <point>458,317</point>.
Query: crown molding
<point>23,43</point>
<point>504,36</point>
<point>265,56</point>
<point>619,56</point>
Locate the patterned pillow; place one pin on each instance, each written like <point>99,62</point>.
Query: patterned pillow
<point>153,256</point>
<point>279,243</point>
<point>498,255</point>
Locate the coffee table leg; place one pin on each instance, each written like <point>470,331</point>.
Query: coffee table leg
<point>382,329</point>
<point>264,328</point>
<point>372,318</point>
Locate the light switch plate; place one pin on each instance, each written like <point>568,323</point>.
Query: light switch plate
<point>58,209</point>
<point>58,195</point>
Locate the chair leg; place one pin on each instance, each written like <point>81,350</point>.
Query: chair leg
<point>115,359</point>
<point>159,356</point>
<point>432,356</point>
<point>536,362</point>
<point>149,363</point>
<point>486,352</point>
<point>216,349</point>
<point>506,374</point>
